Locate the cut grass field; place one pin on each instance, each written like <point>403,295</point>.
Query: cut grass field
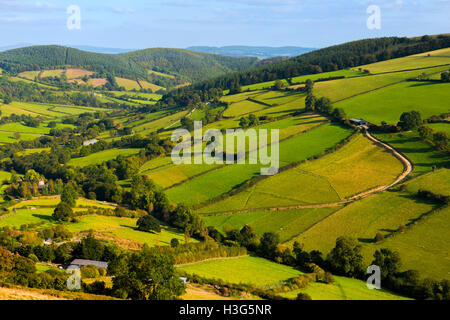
<point>220,181</point>
<point>389,103</point>
<point>245,270</point>
<point>121,230</point>
<point>286,223</point>
<point>357,167</point>
<point>343,289</point>
<point>102,156</point>
<point>128,84</point>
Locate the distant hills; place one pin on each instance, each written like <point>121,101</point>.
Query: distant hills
<point>188,65</point>
<point>251,51</point>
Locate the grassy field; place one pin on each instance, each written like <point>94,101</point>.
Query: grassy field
<point>9,137</point>
<point>422,155</point>
<point>102,156</point>
<point>359,166</point>
<point>243,107</point>
<point>382,213</point>
<point>343,289</point>
<point>423,247</point>
<point>215,183</point>
<point>287,223</point>
<point>124,232</point>
<point>437,182</point>
<point>389,103</point>
<point>246,270</point>
<point>438,57</point>
<point>169,175</point>
<point>338,90</point>
<point>443,127</point>
<point>128,84</point>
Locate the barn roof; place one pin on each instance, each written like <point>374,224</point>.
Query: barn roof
<point>82,262</point>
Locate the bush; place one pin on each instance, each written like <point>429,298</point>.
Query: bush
<point>89,272</point>
<point>303,296</point>
<point>379,237</point>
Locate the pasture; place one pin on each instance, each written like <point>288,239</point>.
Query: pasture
<point>338,90</point>
<point>421,154</point>
<point>215,183</point>
<point>124,232</point>
<point>437,181</point>
<point>357,167</point>
<point>382,213</point>
<point>343,289</point>
<point>102,156</point>
<point>245,270</point>
<point>128,84</point>
<point>423,247</point>
<point>286,223</point>
<point>423,60</point>
<point>389,103</point>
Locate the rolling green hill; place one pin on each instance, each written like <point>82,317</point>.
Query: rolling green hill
<point>189,65</point>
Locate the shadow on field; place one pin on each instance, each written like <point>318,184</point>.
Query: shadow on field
<point>43,217</point>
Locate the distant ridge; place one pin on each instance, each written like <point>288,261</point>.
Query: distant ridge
<point>254,51</point>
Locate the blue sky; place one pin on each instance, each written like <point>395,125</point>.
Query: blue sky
<point>183,23</point>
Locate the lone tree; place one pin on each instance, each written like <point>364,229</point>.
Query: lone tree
<point>425,132</point>
<point>69,195</point>
<point>146,275</point>
<point>346,259</point>
<point>269,245</point>
<point>440,140</point>
<point>410,120</point>
<point>149,223</point>
<point>379,237</point>
<point>309,86</point>
<point>63,212</point>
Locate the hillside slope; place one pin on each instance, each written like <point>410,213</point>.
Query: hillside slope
<point>189,65</point>
<point>194,66</point>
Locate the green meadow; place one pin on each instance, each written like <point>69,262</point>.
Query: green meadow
<point>381,213</point>
<point>286,223</point>
<point>343,289</point>
<point>422,155</point>
<point>388,104</point>
<point>215,183</point>
<point>245,270</point>
<point>102,156</point>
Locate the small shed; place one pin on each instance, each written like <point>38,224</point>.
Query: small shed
<point>90,142</point>
<point>359,122</point>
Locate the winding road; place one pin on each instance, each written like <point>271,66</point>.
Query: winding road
<point>407,169</point>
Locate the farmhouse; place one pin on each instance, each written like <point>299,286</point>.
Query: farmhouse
<point>359,122</point>
<point>82,263</point>
<point>90,142</point>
